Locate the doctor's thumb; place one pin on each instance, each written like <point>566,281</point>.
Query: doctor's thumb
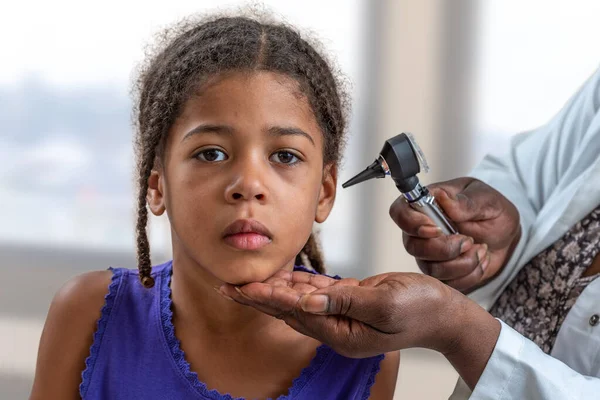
<point>356,302</point>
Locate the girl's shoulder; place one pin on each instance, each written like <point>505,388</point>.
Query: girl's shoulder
<point>85,294</point>
<point>78,303</point>
<point>74,320</point>
<point>67,335</point>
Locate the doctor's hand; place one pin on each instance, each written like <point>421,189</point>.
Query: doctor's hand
<point>379,314</point>
<point>489,229</point>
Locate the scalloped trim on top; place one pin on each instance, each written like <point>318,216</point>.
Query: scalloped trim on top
<point>322,354</point>
<point>109,300</point>
<point>371,381</point>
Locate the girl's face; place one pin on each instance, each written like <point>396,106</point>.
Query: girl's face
<point>242,178</point>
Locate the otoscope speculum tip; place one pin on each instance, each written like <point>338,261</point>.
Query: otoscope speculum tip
<point>375,170</point>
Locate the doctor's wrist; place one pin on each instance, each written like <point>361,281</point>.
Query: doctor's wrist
<point>473,334</point>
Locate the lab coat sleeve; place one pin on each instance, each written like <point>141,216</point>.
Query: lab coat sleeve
<point>533,168</point>
<point>518,369</point>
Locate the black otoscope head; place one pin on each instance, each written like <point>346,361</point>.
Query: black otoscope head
<point>400,158</point>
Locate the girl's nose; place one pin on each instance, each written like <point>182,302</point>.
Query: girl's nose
<point>247,183</point>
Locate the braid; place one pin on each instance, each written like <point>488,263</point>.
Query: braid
<point>146,146</point>
<point>192,52</point>
<point>313,253</point>
<point>143,247</point>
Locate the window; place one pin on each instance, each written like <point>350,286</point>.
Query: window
<point>533,56</point>
<point>66,131</point>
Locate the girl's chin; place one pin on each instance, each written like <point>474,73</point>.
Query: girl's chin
<point>247,273</point>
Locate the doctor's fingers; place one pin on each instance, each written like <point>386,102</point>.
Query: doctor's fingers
<point>458,267</point>
<point>443,248</point>
<point>412,222</point>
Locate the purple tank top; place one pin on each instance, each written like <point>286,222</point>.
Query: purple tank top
<point>135,354</point>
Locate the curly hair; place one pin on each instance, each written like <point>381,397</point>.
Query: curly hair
<point>188,55</point>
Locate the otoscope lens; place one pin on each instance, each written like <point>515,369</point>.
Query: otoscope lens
<point>420,155</point>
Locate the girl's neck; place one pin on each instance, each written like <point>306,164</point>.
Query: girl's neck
<point>221,338</point>
<point>198,307</point>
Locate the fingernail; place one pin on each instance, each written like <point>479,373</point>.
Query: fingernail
<point>486,262</point>
<point>218,290</point>
<point>466,244</point>
<point>316,303</point>
<point>481,254</point>
<point>429,231</point>
<point>237,289</point>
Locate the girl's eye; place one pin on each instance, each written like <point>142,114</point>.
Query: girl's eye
<point>211,155</point>
<point>284,157</point>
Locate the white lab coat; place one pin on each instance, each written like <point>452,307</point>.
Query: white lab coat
<point>552,175</point>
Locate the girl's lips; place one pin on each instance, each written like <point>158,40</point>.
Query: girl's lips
<point>247,226</point>
<point>247,234</point>
<point>247,240</point>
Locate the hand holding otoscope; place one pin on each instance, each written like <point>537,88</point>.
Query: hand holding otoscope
<point>480,227</point>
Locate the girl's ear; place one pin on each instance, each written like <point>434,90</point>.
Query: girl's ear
<point>327,194</point>
<point>155,195</point>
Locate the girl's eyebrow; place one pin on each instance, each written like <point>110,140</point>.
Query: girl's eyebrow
<point>227,130</point>
<point>289,131</point>
<point>208,128</point>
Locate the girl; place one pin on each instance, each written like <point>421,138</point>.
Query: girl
<point>240,130</point>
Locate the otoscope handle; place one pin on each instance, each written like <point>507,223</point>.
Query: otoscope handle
<point>427,205</point>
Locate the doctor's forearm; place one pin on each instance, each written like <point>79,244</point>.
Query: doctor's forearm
<point>475,335</point>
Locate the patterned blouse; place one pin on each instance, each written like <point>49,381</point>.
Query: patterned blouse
<point>537,301</point>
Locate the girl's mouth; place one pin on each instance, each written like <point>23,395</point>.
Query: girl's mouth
<point>247,234</point>
<point>247,240</point>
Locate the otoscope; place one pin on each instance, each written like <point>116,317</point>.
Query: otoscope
<point>402,159</point>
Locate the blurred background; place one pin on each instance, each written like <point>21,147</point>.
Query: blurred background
<point>461,75</point>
